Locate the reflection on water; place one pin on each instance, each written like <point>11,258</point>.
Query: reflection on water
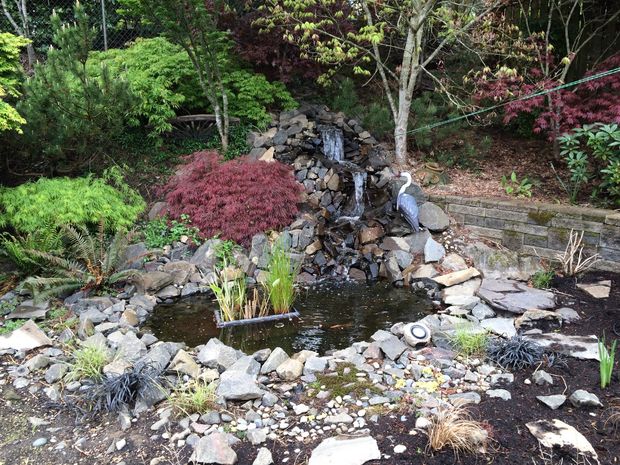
<point>333,316</point>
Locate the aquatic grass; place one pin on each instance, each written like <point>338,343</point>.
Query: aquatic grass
<point>229,293</point>
<point>607,357</point>
<point>195,397</point>
<point>256,305</point>
<point>280,282</point>
<point>467,341</point>
<point>88,362</point>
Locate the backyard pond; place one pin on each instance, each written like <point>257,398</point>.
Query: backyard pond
<point>333,316</point>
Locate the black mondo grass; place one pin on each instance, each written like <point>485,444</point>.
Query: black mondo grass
<point>515,353</point>
<point>113,393</point>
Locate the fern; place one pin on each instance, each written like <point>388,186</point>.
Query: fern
<point>90,264</point>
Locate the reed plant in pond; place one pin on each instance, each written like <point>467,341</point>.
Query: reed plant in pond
<point>607,357</point>
<point>229,293</point>
<point>280,283</point>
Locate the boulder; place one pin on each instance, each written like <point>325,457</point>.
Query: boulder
<point>238,385</point>
<point>184,363</point>
<point>502,264</point>
<point>275,359</point>
<point>290,369</point>
<point>433,251</point>
<point>205,256</point>
<point>514,296</point>
<point>501,326</point>
<point>216,354</point>
<point>433,217</point>
<point>214,448</point>
<point>453,262</point>
<point>152,281</point>
<point>26,338</point>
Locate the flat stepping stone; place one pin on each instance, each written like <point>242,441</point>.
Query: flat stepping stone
<point>514,296</point>
<point>581,347</point>
<point>345,451</point>
<point>456,277</point>
<point>599,290</point>
<point>504,327</point>
<point>557,435</point>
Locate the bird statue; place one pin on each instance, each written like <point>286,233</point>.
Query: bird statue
<point>407,204</point>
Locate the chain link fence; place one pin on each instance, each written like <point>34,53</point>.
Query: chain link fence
<point>113,29</point>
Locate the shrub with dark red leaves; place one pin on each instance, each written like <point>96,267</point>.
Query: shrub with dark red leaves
<point>235,199</point>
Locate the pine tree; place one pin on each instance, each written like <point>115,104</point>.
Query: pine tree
<point>73,117</point>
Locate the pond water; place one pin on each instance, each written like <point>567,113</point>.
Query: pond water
<point>333,316</point>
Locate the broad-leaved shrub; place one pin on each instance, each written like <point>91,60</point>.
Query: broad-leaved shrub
<point>10,46</point>
<point>84,201</point>
<point>235,199</point>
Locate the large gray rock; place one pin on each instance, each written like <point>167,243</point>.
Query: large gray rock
<point>290,369</point>
<point>28,309</point>
<point>345,451</point>
<point>246,364</point>
<point>504,327</point>
<point>392,347</point>
<point>237,385</point>
<point>433,217</point>
<point>263,457</point>
<point>513,296</point>
<point>152,281</point>
<point>205,256</point>
<point>275,359</point>
<point>180,270</point>
<point>129,348</point>
<point>133,257</point>
<point>214,448</point>
<point>184,363</point>
<point>433,251</point>
<point>216,354</point>
<point>502,264</point>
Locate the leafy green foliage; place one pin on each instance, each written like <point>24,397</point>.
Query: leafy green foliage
<point>162,231</point>
<point>17,248</point>
<point>280,282</point>
<point>35,206</point>
<point>606,364</point>
<point>237,142</point>
<point>513,186</point>
<point>72,115</point>
<point>592,154</point>
<point>11,325</point>
<point>542,279</point>
<point>88,263</point>
<point>225,252</point>
<point>230,293</point>
<point>10,46</point>
<point>159,73</point>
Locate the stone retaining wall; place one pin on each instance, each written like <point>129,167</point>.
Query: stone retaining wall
<point>538,228</point>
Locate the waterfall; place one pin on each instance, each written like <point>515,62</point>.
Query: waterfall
<point>359,181</point>
<point>333,144</point>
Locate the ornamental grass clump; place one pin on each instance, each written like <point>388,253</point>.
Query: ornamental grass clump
<point>195,397</point>
<point>607,357</point>
<point>468,341</point>
<point>280,283</point>
<point>88,362</point>
<point>453,428</point>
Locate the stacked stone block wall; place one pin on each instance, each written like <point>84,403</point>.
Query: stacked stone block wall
<point>538,228</point>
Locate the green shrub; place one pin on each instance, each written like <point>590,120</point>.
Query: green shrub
<point>163,78</point>
<point>35,206</point>
<point>161,231</point>
<point>513,186</point>
<point>10,72</point>
<point>592,154</point>
<point>17,248</point>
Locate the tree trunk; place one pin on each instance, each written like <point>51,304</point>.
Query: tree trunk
<point>400,127</point>
<point>32,57</point>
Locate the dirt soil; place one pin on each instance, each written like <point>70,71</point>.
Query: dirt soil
<point>512,443</point>
<point>480,175</point>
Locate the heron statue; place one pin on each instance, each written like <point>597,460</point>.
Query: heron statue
<point>407,204</point>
